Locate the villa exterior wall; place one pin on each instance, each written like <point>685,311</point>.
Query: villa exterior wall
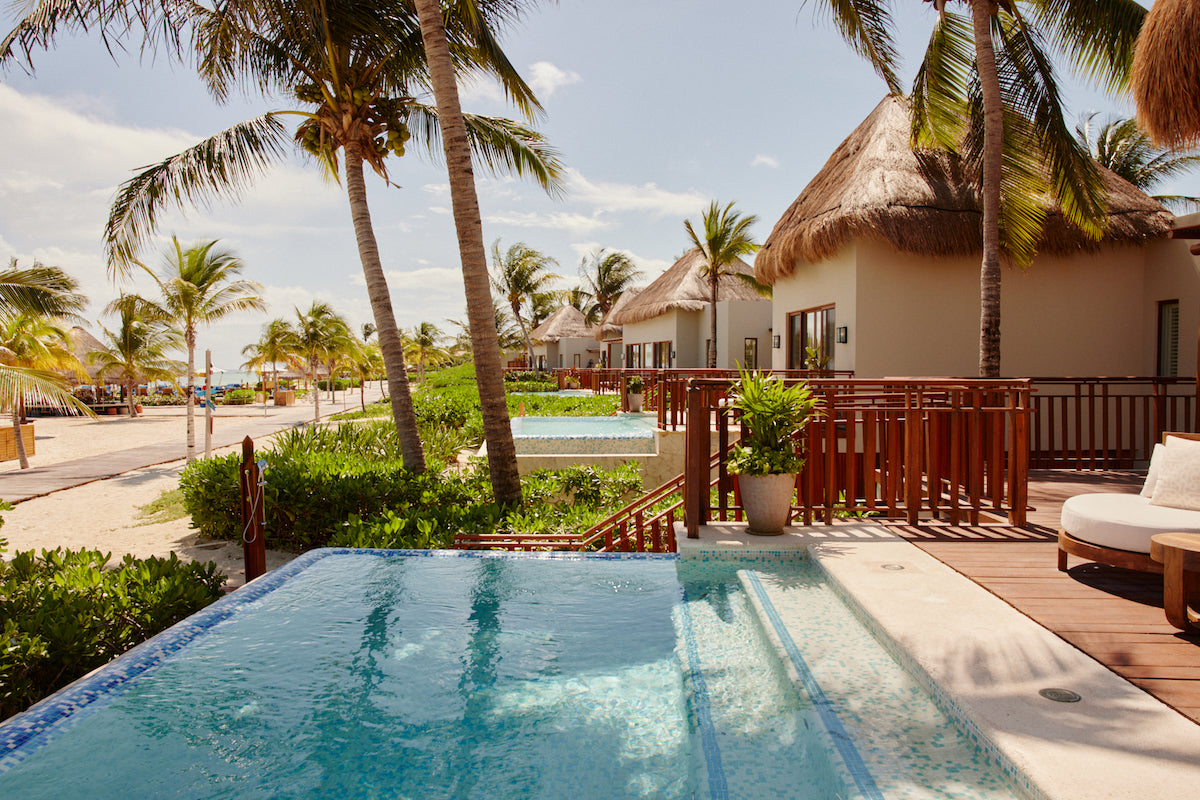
<point>737,321</point>
<point>1094,314</point>
<point>831,281</point>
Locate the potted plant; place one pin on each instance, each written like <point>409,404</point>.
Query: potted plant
<point>634,387</point>
<point>766,459</point>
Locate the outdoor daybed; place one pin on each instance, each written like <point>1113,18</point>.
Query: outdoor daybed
<point>1116,528</point>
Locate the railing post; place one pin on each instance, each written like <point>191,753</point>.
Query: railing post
<point>254,514</point>
<point>695,460</point>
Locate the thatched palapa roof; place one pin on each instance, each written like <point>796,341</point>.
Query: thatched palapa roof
<point>566,323</point>
<point>683,287</point>
<point>874,185</point>
<point>608,330</point>
<point>1166,73</point>
<point>83,344</point>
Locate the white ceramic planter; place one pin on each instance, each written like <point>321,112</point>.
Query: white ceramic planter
<point>767,501</point>
<point>635,401</point>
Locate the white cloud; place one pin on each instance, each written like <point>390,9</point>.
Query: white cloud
<point>440,189</point>
<point>621,197</point>
<point>545,78</point>
<point>762,160</point>
<point>572,223</point>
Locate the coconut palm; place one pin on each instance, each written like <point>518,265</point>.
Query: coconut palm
<point>35,293</point>
<point>1121,146</point>
<point>724,240</point>
<point>1166,74</point>
<point>34,341</point>
<point>356,71</point>
<point>317,331</point>
<point>519,275</point>
<point>481,313</point>
<point>606,274</point>
<point>424,344</point>
<point>339,349</point>
<point>137,350</point>
<point>272,348</point>
<point>199,285</point>
<point>986,88</point>
<point>367,364</point>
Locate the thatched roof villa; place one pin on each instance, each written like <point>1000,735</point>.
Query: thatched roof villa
<point>564,339</point>
<point>877,261</point>
<point>667,323</point>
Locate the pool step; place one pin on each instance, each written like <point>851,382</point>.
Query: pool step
<point>866,701</point>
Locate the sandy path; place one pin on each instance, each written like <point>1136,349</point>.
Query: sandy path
<point>103,515</point>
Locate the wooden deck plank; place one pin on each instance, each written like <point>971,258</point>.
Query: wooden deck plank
<point>1113,615</point>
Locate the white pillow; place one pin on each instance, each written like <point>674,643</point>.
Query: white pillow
<point>1178,484</point>
<point>1156,458</point>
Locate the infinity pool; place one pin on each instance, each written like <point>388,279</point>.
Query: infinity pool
<point>621,434</point>
<point>445,675</point>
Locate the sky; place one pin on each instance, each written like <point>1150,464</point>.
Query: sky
<point>658,107</point>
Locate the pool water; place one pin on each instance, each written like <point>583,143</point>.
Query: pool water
<point>375,674</point>
<point>621,434</point>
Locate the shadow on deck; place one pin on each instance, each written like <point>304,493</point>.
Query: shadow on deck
<point>1114,615</point>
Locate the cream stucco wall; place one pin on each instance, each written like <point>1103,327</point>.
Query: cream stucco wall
<point>831,281</point>
<point>1092,314</point>
<point>737,321</point>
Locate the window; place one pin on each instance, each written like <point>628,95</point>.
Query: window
<point>1168,338</point>
<point>633,356</point>
<point>810,338</point>
<point>661,355</point>
<point>750,360</point>
<point>576,360</point>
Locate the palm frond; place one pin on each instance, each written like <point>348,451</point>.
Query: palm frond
<point>939,94</point>
<point>226,162</point>
<point>37,387</point>
<point>39,290</point>
<point>1097,35</point>
<point>866,26</point>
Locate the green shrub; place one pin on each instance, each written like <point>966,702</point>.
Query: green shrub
<point>599,405</point>
<point>238,397</point>
<point>66,613</point>
<point>530,386</point>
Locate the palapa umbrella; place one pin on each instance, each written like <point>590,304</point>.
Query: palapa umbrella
<point>1166,73</point>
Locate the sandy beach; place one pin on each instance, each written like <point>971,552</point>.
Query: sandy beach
<point>104,514</point>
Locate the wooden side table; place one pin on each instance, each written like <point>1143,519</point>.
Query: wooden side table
<point>1180,557</point>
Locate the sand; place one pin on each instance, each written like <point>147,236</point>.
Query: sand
<point>104,514</point>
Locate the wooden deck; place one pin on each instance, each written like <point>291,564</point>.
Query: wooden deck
<point>1114,615</point>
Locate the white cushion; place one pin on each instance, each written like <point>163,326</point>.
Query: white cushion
<point>1156,459</point>
<point>1123,521</point>
<point>1178,484</point>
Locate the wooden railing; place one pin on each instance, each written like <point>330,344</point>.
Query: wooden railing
<point>942,449</point>
<point>1106,423</point>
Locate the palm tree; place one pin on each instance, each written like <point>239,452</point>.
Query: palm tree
<point>481,313</point>
<point>367,363</point>
<point>44,292</point>
<point>339,349</point>
<point>726,238</point>
<point>137,350</point>
<point>199,286</point>
<point>315,330</point>
<point>272,348</point>
<point>519,276</point>
<point>355,70</point>
<point>1000,106</point>
<point>34,341</point>
<point>1123,147</point>
<point>606,274</point>
<point>424,344</point>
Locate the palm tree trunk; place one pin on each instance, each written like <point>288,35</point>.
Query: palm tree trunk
<point>516,307</point>
<point>190,338</point>
<point>993,143</point>
<point>489,368</point>
<point>131,388</point>
<point>712,323</point>
<point>16,422</point>
<point>403,415</point>
<point>316,390</point>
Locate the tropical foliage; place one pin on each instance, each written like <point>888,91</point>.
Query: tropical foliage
<point>1121,146</point>
<point>606,273</point>
<point>724,238</point>
<point>986,89</point>
<point>137,350</point>
<point>522,277</point>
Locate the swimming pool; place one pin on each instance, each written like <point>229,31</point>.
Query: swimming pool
<point>621,434</point>
<point>454,675</point>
